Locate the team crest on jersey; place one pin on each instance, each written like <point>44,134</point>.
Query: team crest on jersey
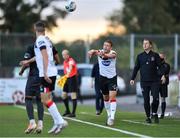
<point>152,58</point>
<point>41,42</point>
<point>27,55</point>
<point>41,88</point>
<point>106,62</point>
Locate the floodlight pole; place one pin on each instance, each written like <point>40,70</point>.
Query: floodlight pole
<point>176,49</point>
<point>132,51</point>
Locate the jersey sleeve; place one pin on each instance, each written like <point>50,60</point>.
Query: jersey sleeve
<point>136,68</point>
<point>29,53</point>
<point>167,69</point>
<point>41,43</point>
<point>54,51</point>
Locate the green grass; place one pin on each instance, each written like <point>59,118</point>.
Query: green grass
<point>13,122</point>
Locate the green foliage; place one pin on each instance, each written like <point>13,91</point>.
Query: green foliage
<point>151,17</point>
<point>77,50</point>
<point>20,15</point>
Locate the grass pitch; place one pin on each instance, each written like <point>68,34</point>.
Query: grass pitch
<point>13,122</point>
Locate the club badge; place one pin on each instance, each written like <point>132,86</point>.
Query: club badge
<point>152,58</point>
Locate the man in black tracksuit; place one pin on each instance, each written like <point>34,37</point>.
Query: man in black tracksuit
<point>148,62</point>
<point>99,97</point>
<point>164,87</point>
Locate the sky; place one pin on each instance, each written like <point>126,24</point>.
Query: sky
<point>87,20</point>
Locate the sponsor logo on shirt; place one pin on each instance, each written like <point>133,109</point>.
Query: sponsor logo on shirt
<point>27,55</point>
<point>106,62</point>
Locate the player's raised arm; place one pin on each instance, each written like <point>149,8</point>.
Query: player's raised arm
<point>108,55</point>
<point>23,68</point>
<point>28,59</point>
<point>93,52</point>
<point>27,62</point>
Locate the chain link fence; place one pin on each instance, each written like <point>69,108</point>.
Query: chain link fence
<point>12,47</point>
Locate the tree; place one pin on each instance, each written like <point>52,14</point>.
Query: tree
<point>152,16</point>
<point>20,15</point>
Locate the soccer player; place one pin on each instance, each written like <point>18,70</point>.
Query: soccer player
<point>33,89</point>
<point>164,87</point>
<point>108,78</point>
<point>47,73</point>
<point>70,70</point>
<point>148,62</point>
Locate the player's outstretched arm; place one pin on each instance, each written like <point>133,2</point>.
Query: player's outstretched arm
<point>108,55</point>
<point>92,52</point>
<point>24,65</point>
<point>23,68</point>
<point>27,62</point>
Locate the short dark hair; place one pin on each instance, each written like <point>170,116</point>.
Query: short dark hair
<point>109,41</point>
<point>39,26</point>
<point>150,42</point>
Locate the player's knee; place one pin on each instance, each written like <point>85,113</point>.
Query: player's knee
<point>155,100</point>
<point>64,95</point>
<point>38,99</point>
<point>45,97</point>
<point>44,102</point>
<point>112,99</point>
<point>73,95</point>
<point>106,97</point>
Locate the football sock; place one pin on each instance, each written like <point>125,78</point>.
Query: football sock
<point>163,107</point>
<point>107,107</point>
<point>74,103</point>
<point>66,103</point>
<point>40,108</point>
<point>52,108</point>
<point>113,105</point>
<point>29,108</point>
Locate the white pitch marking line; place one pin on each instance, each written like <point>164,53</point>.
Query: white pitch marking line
<point>85,113</point>
<point>136,122</point>
<point>97,125</point>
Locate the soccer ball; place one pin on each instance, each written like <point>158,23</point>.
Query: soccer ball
<point>71,6</point>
